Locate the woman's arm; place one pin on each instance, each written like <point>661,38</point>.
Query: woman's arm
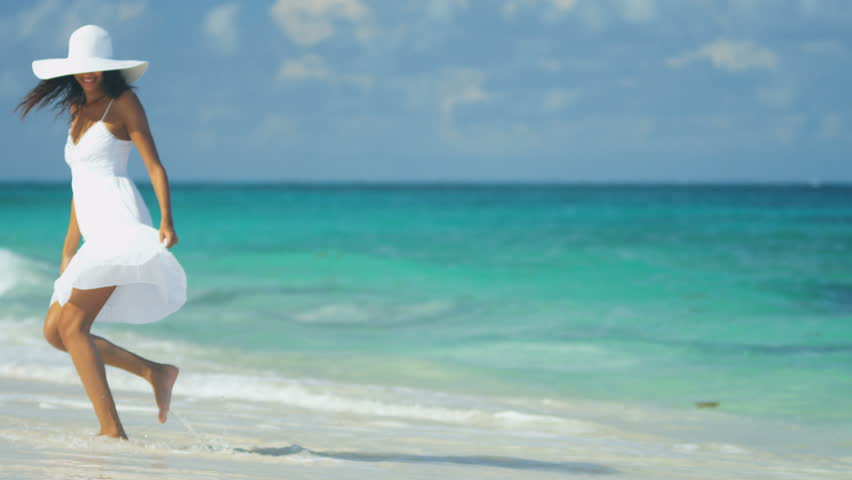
<point>72,240</point>
<point>136,124</point>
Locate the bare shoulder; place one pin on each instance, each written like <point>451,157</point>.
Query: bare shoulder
<point>128,101</point>
<point>128,106</point>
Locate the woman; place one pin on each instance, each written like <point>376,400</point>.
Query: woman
<point>123,272</point>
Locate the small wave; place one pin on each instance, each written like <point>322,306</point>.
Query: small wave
<point>223,296</point>
<point>17,271</point>
<point>791,349</point>
<point>335,314</point>
<point>25,356</point>
<point>372,313</point>
<point>371,401</point>
<point>544,356</point>
<point>378,403</point>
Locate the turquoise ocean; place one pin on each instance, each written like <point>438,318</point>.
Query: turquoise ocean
<point>655,296</point>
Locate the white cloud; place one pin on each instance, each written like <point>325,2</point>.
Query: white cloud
<point>459,87</point>
<point>445,9</point>
<point>273,129</point>
<point>29,19</point>
<point>313,67</point>
<point>505,137</point>
<point>593,15</point>
<point>212,112</point>
<point>732,56</point>
<point>127,11</point>
<point>787,128</point>
<point>833,10</point>
<point>309,67</point>
<point>497,139</point>
<point>831,126</point>
<point>563,4</point>
<point>220,27</point>
<point>443,91</point>
<point>809,7</point>
<point>207,133</point>
<point>637,11</point>
<point>101,12</point>
<point>309,22</point>
<point>732,130</point>
<point>363,82</point>
<point>55,20</point>
<point>823,47</point>
<point>777,96</point>
<point>438,97</point>
<point>426,25</point>
<point>551,65</point>
<point>512,7</point>
<point>556,99</point>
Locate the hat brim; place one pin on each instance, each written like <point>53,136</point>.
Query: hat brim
<point>59,67</point>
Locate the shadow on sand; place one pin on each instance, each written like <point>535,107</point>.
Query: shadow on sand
<point>484,461</point>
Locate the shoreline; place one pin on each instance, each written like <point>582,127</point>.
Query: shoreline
<point>34,371</point>
<point>296,183</point>
<point>47,427</point>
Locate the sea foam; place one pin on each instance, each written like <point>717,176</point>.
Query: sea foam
<point>24,356</point>
<point>17,271</point>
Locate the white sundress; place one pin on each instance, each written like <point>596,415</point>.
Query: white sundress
<point>120,246</point>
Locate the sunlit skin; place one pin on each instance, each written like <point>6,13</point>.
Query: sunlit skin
<point>68,327</point>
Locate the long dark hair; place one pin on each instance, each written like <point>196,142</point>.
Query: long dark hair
<point>62,93</point>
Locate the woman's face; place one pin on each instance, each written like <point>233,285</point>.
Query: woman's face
<point>91,81</point>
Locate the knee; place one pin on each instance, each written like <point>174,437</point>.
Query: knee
<point>51,327</point>
<point>71,323</point>
<point>51,334</point>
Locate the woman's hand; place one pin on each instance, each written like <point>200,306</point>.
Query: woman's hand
<point>167,233</point>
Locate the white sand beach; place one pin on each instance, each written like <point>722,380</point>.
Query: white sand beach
<point>47,432</point>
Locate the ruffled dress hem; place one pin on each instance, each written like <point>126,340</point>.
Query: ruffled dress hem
<point>139,268</point>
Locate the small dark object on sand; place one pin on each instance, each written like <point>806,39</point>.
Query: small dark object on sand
<point>706,404</point>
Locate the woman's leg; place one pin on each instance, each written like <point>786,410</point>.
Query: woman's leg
<point>161,376</point>
<point>75,323</point>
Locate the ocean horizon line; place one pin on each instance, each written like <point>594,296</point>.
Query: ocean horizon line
<point>465,183</point>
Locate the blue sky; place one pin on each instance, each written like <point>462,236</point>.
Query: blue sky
<point>483,90</point>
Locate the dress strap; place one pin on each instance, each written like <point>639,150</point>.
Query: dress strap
<point>107,109</point>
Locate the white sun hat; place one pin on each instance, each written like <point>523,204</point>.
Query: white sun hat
<point>89,50</point>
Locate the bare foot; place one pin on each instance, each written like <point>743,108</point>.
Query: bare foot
<point>163,380</point>
<point>119,434</point>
